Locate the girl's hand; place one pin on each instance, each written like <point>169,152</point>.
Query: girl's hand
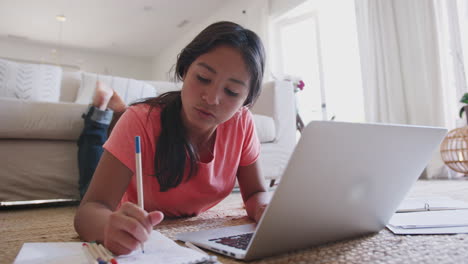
<point>128,227</point>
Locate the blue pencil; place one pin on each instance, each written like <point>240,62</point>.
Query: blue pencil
<point>139,177</point>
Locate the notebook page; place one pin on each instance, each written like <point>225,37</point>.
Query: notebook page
<point>158,249</point>
<point>430,219</point>
<point>51,252</point>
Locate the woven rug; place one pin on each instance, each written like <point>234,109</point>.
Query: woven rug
<point>56,224</point>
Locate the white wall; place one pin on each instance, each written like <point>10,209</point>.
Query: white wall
<point>86,60</point>
<point>157,67</point>
<point>255,19</point>
<point>279,7</point>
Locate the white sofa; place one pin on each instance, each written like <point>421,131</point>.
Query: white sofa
<point>38,151</point>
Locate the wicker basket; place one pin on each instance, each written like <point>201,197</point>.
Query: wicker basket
<point>454,150</point>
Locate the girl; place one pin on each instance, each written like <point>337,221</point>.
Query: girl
<point>195,142</point>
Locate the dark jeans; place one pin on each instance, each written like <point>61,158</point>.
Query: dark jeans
<point>93,136</point>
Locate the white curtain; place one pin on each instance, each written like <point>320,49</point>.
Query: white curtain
<point>451,59</point>
<point>404,68</point>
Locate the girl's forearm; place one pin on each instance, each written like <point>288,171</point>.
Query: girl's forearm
<point>255,205</point>
<point>90,221</point>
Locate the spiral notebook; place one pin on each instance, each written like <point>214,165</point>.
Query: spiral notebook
<point>158,249</point>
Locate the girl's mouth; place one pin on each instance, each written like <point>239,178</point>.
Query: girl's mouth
<point>204,113</point>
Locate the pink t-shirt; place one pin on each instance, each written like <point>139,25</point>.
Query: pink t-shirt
<point>236,145</point>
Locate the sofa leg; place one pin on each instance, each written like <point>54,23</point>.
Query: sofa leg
<point>272,183</point>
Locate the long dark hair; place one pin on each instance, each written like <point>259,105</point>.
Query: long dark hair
<point>173,146</point>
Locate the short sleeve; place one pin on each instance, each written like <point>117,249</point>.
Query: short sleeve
<point>121,142</point>
<point>251,144</point>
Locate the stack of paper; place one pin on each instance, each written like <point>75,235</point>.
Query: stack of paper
<point>158,249</point>
<point>431,215</point>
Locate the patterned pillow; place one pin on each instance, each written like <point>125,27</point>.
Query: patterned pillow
<point>31,82</point>
<point>129,89</point>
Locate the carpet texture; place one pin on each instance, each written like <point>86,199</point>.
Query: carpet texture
<point>56,224</point>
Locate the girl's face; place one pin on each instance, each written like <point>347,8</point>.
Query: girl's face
<point>215,87</point>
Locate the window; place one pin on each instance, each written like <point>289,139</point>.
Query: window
<point>300,56</point>
<point>317,43</point>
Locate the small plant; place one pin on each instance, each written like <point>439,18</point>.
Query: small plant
<point>299,86</point>
<point>298,83</point>
<point>465,101</point>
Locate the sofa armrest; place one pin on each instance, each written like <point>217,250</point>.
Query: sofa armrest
<point>277,101</point>
<point>40,120</point>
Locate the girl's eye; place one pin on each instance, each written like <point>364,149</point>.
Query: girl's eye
<point>203,80</point>
<point>230,93</point>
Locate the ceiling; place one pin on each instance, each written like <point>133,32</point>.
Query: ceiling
<point>124,27</point>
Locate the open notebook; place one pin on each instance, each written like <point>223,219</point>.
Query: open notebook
<point>158,249</point>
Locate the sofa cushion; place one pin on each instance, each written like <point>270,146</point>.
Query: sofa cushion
<point>164,87</point>
<point>22,119</point>
<point>265,128</point>
<point>32,82</point>
<point>129,89</point>
<point>71,81</point>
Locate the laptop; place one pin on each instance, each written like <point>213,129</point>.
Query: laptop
<point>343,180</point>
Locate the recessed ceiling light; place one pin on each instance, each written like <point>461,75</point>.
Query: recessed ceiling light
<point>61,18</point>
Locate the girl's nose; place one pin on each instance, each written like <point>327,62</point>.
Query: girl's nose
<point>210,95</point>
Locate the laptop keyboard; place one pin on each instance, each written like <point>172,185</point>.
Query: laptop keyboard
<point>238,241</point>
